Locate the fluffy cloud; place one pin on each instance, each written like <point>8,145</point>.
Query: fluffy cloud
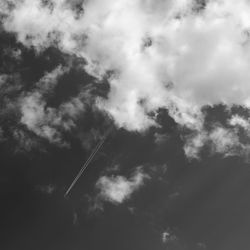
<point>42,109</point>
<point>47,122</point>
<point>224,141</point>
<point>239,121</point>
<point>32,118</point>
<point>44,121</point>
<point>179,55</point>
<point>117,189</point>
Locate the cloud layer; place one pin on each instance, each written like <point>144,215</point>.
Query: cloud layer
<point>170,54</point>
<point>179,55</point>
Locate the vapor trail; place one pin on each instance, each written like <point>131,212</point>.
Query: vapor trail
<point>96,149</point>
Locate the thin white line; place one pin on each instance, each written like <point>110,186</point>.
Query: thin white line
<point>96,149</point>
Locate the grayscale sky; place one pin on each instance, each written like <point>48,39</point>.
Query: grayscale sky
<point>166,82</point>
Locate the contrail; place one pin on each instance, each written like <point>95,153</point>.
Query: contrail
<point>92,155</point>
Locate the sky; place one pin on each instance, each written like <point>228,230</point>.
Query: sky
<point>165,83</point>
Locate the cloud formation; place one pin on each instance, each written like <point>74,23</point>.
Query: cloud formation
<point>220,140</point>
<point>117,189</point>
<point>179,55</point>
<point>164,54</point>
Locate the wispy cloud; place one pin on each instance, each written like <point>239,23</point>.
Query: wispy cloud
<point>47,189</point>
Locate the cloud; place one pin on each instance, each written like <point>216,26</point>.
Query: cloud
<point>46,189</point>
<point>24,141</point>
<point>27,116</point>
<point>220,140</point>
<point>52,122</point>
<point>117,189</point>
<point>239,121</point>
<point>37,118</point>
<point>168,236</point>
<point>50,79</point>
<point>223,141</point>
<point>189,49</point>
<point>50,108</point>
<point>47,121</point>
<point>179,55</point>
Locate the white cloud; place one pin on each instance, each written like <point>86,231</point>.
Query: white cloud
<point>220,140</point>
<point>50,79</point>
<point>48,122</point>
<point>36,117</point>
<point>224,141</point>
<point>168,236</point>
<point>239,121</point>
<point>165,236</point>
<point>117,189</point>
<point>162,53</point>
<point>194,143</point>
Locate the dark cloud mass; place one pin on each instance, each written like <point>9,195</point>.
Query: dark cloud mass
<point>166,82</point>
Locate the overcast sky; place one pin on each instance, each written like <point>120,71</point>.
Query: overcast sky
<point>164,84</point>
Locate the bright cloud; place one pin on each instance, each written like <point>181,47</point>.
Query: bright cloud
<point>240,121</point>
<point>171,54</point>
<point>117,189</point>
<point>220,140</point>
<point>45,121</point>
